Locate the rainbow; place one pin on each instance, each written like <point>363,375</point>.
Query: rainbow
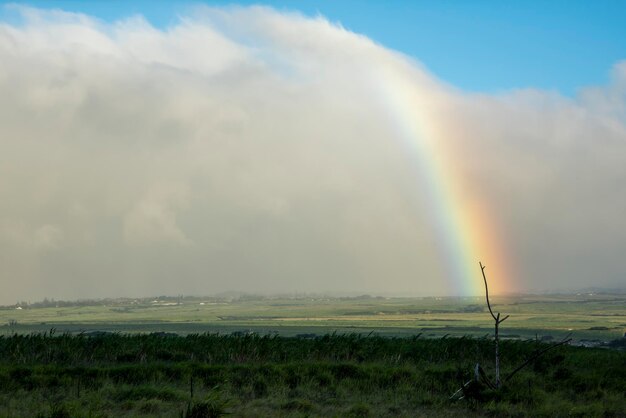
<point>468,229</point>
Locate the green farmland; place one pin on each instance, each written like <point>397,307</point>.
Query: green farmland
<point>586,317</point>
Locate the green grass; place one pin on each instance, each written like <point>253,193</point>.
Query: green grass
<point>600,317</point>
<point>332,375</point>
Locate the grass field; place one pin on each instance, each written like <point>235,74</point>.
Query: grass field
<point>586,317</point>
<point>115,375</point>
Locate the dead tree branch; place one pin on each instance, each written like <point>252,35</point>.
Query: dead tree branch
<point>460,390</point>
<point>470,387</point>
<point>479,377</point>
<point>536,356</point>
<point>498,320</point>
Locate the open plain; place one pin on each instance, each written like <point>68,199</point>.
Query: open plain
<point>586,317</point>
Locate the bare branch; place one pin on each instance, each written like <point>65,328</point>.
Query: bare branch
<point>479,375</point>
<point>497,321</point>
<point>536,356</point>
<point>482,269</point>
<point>460,390</point>
<point>484,377</point>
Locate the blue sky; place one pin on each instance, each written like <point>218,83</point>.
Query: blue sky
<point>481,46</point>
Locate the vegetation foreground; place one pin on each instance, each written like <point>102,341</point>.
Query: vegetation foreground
<point>205,375</point>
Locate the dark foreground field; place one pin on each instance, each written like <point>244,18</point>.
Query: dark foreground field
<point>116,375</point>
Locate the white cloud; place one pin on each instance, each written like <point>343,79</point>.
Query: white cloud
<point>248,149</point>
<point>153,216</point>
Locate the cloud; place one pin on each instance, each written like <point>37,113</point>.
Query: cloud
<point>153,217</point>
<point>248,149</point>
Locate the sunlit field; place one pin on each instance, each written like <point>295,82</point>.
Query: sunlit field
<point>586,317</point>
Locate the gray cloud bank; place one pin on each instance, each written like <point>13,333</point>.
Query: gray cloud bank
<point>244,149</point>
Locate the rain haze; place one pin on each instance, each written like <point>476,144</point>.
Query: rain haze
<point>263,149</point>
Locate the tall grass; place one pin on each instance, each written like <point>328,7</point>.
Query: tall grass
<point>346,375</point>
